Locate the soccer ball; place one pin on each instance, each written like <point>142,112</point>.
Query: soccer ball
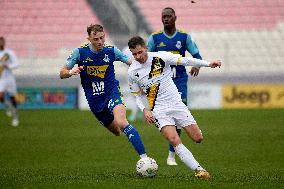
<point>146,167</point>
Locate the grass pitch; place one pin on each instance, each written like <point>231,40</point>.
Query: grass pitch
<point>70,149</point>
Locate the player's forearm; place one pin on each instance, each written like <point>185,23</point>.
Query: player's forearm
<point>189,61</point>
<point>140,102</point>
<point>12,66</point>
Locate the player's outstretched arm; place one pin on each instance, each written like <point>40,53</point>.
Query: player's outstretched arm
<point>188,61</point>
<point>66,73</point>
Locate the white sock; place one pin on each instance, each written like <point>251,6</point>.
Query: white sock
<point>171,154</point>
<point>8,105</point>
<point>14,112</point>
<point>143,156</point>
<point>187,158</point>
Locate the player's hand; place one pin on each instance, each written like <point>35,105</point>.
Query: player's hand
<point>194,71</point>
<point>215,63</point>
<point>76,70</point>
<point>148,116</point>
<point>4,58</point>
<point>2,67</point>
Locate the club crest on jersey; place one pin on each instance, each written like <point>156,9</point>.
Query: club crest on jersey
<point>98,71</point>
<point>106,58</point>
<point>178,45</point>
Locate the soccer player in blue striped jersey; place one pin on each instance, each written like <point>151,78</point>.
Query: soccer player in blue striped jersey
<point>177,42</point>
<point>96,69</point>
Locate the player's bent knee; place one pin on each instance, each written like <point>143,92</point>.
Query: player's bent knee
<point>174,140</point>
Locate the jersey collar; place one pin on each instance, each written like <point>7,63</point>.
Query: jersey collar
<point>170,37</point>
<point>94,51</point>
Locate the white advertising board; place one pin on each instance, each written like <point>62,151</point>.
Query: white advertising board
<point>204,96</point>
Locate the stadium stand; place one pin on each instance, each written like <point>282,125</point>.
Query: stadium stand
<point>247,35</point>
<point>43,33</point>
<point>42,28</point>
<point>217,14</point>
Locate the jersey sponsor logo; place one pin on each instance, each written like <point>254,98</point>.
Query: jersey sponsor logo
<point>149,84</point>
<point>157,67</point>
<point>152,94</point>
<point>88,60</point>
<point>178,45</point>
<point>174,52</point>
<point>98,71</point>
<point>162,44</point>
<point>106,58</point>
<point>98,88</point>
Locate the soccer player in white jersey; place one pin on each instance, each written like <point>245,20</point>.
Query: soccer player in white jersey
<point>157,96</point>
<point>8,62</point>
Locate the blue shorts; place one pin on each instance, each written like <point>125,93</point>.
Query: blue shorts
<point>106,117</point>
<point>181,84</point>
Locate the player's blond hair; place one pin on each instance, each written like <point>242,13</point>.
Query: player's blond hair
<point>94,28</point>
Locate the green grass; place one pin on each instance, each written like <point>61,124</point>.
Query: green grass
<point>69,149</point>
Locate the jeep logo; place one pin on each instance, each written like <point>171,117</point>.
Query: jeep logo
<point>259,97</point>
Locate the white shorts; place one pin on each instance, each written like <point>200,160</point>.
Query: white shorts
<point>8,85</point>
<point>179,115</point>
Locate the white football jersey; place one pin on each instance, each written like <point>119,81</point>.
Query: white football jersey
<point>154,79</point>
<point>11,63</point>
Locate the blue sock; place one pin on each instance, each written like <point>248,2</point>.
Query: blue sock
<point>134,137</point>
<point>171,148</point>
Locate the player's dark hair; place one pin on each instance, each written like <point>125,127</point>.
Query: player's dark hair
<point>2,38</point>
<point>94,28</point>
<point>170,8</point>
<point>135,41</point>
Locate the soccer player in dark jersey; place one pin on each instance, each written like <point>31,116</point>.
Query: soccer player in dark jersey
<point>96,69</point>
<point>178,42</point>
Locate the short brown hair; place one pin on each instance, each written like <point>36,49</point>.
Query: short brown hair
<point>134,41</point>
<point>94,28</point>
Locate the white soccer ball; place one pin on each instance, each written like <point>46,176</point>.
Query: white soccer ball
<point>146,167</point>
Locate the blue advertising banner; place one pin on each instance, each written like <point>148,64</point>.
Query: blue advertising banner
<point>46,98</point>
